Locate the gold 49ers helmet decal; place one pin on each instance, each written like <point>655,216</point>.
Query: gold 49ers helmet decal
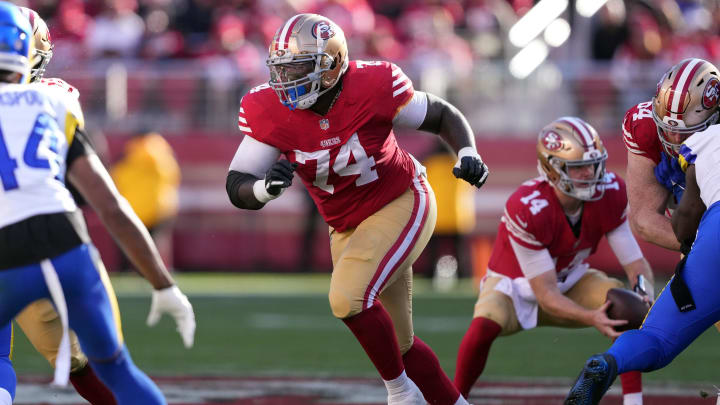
<point>686,101</point>
<point>306,58</point>
<point>571,142</point>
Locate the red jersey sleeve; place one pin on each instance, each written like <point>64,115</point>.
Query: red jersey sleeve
<point>394,88</point>
<point>526,218</point>
<point>640,132</point>
<point>250,121</point>
<point>616,199</point>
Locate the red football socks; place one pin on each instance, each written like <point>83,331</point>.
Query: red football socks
<point>473,353</point>
<point>631,382</point>
<point>374,329</point>
<point>89,386</point>
<point>423,367</point>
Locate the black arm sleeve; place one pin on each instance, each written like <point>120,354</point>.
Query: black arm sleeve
<point>81,145</point>
<point>239,188</point>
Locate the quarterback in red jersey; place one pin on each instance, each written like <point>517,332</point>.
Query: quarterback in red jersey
<point>334,123</point>
<point>537,274</point>
<point>685,102</point>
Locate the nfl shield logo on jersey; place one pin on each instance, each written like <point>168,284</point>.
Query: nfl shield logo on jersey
<point>324,124</point>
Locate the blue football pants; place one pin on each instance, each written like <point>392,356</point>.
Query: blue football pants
<point>93,315</point>
<point>8,380</point>
<point>666,331</point>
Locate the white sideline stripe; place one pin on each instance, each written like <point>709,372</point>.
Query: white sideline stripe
<point>414,229</point>
<point>401,89</point>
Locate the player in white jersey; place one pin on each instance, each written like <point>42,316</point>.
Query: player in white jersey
<point>42,140</point>
<point>692,303</point>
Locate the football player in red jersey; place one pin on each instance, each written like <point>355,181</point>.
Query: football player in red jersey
<point>334,123</point>
<point>686,101</point>
<point>537,274</point>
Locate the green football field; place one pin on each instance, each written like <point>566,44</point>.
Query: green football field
<point>282,325</point>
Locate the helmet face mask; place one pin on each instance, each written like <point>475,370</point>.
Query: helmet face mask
<point>42,50</point>
<point>298,83</point>
<point>583,188</point>
<point>686,101</point>
<point>307,56</point>
<point>572,158</point>
<point>42,58</point>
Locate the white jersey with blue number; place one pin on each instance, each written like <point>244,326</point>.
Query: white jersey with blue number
<point>37,124</point>
<point>703,150</point>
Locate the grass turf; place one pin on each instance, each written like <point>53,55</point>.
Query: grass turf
<point>282,325</point>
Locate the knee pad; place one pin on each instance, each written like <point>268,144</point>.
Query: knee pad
<point>343,305</point>
<point>405,343</point>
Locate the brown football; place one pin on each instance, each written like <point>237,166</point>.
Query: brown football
<point>628,305</point>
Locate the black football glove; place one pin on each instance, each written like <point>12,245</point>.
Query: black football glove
<point>279,176</point>
<point>471,169</point>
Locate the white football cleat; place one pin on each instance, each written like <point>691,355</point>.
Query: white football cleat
<point>410,396</point>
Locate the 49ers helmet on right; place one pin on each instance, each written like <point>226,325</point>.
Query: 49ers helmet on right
<point>43,50</point>
<point>686,101</point>
<point>571,142</point>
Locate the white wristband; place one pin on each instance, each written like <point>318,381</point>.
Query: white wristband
<point>261,193</point>
<point>468,151</point>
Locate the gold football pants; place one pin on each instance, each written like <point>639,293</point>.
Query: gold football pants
<point>374,260</point>
<point>589,292</point>
<point>41,324</point>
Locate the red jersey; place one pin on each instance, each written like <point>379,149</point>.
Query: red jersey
<point>349,158</point>
<point>640,132</point>
<point>535,219</point>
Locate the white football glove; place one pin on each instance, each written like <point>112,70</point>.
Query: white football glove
<point>173,302</point>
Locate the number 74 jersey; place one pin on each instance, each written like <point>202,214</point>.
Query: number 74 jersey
<point>348,159</point>
<point>534,219</point>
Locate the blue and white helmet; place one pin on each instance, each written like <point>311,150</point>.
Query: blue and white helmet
<point>15,41</point>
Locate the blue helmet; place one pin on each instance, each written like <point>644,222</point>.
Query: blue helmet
<point>15,41</point>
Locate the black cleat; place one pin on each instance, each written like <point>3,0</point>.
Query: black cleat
<point>594,380</point>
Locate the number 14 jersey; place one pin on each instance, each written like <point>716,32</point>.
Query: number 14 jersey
<point>349,158</point>
<point>534,219</point>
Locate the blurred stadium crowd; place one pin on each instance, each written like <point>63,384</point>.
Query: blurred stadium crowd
<point>414,32</point>
<point>455,48</point>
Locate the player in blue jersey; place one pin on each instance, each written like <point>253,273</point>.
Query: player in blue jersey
<point>45,251</point>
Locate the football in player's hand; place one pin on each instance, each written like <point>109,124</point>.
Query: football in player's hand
<point>628,305</point>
